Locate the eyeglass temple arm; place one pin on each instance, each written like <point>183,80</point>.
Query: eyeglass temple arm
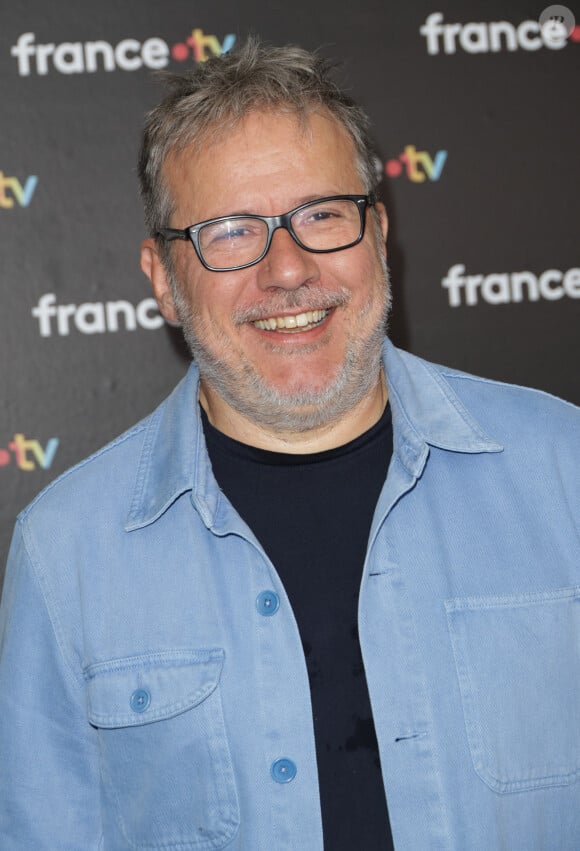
<point>172,233</point>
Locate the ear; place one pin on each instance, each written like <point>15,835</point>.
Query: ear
<point>383,219</point>
<point>153,267</point>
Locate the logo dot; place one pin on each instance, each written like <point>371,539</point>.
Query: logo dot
<point>393,168</point>
<point>4,458</point>
<point>180,52</point>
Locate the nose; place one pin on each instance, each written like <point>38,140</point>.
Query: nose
<point>286,265</point>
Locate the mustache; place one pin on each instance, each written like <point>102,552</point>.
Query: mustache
<point>309,299</point>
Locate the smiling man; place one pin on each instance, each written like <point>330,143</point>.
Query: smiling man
<point>289,345</point>
<point>326,595</point>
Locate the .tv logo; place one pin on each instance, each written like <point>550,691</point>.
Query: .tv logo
<point>201,47</point>
<point>29,454</point>
<point>11,190</point>
<point>418,165</point>
<point>76,57</point>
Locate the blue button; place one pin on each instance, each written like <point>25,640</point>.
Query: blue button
<point>140,700</point>
<point>267,603</point>
<point>283,770</point>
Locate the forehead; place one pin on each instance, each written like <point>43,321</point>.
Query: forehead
<point>265,159</point>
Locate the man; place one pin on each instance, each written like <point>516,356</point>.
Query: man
<point>323,570</point>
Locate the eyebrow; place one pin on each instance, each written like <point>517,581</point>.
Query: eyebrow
<point>306,199</point>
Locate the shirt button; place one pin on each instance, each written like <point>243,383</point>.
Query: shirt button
<point>140,700</point>
<point>283,770</point>
<point>267,603</point>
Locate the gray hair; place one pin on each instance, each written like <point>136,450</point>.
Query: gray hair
<point>218,93</point>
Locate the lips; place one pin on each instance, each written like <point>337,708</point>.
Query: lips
<point>297,322</point>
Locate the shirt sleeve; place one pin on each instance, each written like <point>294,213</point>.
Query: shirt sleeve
<point>49,778</point>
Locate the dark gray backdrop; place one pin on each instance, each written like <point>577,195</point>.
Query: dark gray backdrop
<point>497,128</point>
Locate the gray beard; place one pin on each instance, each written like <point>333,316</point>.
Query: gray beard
<point>247,392</point>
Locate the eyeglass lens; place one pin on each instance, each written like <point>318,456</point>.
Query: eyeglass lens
<point>322,226</point>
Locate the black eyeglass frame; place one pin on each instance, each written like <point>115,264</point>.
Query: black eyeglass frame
<point>273,223</point>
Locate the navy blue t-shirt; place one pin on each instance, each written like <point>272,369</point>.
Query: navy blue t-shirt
<point>312,514</point>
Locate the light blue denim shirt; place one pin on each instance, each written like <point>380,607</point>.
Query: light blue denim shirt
<point>152,696</point>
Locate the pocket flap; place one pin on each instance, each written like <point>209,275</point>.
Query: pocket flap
<point>141,689</point>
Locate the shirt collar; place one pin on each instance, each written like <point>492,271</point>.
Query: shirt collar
<point>174,461</point>
<point>173,440</point>
<point>426,410</point>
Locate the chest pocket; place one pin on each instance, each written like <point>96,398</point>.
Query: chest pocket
<point>165,762</point>
<point>518,664</point>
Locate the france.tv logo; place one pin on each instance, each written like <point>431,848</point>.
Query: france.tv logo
<point>76,57</point>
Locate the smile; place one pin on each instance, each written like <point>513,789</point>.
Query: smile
<point>300,321</point>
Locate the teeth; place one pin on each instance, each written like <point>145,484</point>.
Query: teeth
<point>302,320</point>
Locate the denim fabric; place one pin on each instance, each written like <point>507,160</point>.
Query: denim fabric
<point>146,699</point>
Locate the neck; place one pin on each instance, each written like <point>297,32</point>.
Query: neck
<point>328,436</point>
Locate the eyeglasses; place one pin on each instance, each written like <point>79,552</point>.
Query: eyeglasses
<point>236,242</point>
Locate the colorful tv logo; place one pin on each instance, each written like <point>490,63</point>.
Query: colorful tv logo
<point>418,166</point>
<point>12,190</point>
<point>76,57</point>
<point>201,47</point>
<point>29,454</point>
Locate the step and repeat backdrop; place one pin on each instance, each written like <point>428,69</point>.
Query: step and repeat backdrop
<point>476,121</point>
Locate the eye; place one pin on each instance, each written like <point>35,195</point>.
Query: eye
<point>325,213</point>
<point>322,215</point>
<point>230,232</point>
<point>233,233</point>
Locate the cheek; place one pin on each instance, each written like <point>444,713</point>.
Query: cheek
<point>212,319</point>
<point>204,298</point>
<point>367,282</point>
